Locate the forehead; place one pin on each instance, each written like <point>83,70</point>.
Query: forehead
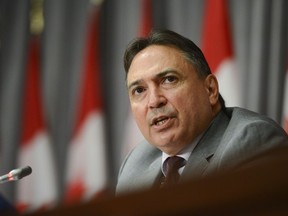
<point>156,59</point>
<point>156,53</point>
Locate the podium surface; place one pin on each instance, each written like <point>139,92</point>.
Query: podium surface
<point>258,188</point>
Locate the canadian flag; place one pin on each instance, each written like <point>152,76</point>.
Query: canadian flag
<point>133,135</point>
<point>146,18</point>
<point>86,164</point>
<point>39,189</point>
<point>285,108</point>
<point>217,48</point>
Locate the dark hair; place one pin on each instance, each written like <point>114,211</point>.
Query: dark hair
<point>169,38</point>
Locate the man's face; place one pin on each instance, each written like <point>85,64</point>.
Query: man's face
<point>171,104</point>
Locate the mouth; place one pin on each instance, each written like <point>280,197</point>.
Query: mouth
<point>159,121</point>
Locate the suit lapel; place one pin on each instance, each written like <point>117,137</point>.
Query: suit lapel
<point>201,156</point>
<point>147,178</point>
<point>150,175</point>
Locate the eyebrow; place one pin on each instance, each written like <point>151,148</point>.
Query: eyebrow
<point>136,82</point>
<point>159,75</point>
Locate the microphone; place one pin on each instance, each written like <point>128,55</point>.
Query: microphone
<point>16,174</point>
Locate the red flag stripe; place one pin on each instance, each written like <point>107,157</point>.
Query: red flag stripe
<point>146,18</point>
<point>35,148</point>
<point>32,119</point>
<point>217,43</point>
<point>90,100</point>
<point>89,113</point>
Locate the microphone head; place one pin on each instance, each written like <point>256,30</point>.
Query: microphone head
<point>25,171</point>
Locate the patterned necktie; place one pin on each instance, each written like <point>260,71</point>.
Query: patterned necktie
<point>170,168</point>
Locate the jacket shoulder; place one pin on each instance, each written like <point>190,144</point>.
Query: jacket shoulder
<point>247,135</point>
<point>243,117</point>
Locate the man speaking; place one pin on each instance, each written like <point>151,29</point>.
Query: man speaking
<point>189,133</point>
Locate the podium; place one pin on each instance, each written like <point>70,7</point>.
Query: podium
<point>258,188</point>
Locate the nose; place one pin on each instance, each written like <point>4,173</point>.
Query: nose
<point>156,99</point>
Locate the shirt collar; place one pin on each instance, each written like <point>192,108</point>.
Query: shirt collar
<point>185,153</point>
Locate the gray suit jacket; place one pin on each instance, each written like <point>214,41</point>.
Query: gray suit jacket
<point>232,138</point>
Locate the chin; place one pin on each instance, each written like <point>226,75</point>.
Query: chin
<point>165,145</point>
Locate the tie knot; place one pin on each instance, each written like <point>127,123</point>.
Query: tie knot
<point>172,165</point>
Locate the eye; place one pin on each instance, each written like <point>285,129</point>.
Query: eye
<point>137,90</point>
<point>170,79</point>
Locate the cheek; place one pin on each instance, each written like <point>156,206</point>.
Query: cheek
<point>139,114</point>
<point>189,106</point>
<point>187,113</point>
<point>184,102</point>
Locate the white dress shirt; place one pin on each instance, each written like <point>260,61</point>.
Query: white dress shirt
<point>185,153</point>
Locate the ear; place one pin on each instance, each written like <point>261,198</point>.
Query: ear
<point>211,85</point>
